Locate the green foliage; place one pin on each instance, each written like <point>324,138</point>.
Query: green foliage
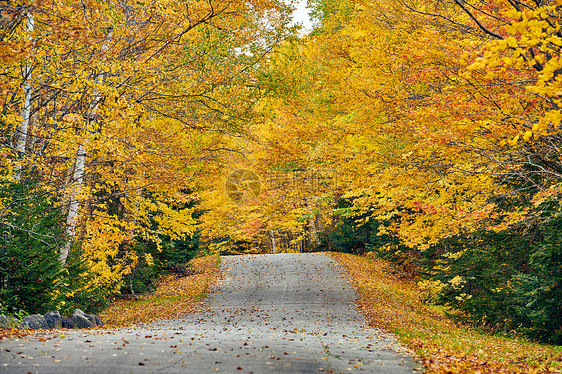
<point>179,251</point>
<point>322,10</point>
<point>31,230</point>
<point>477,272</point>
<point>504,281</point>
<point>539,290</point>
<point>31,233</point>
<point>508,281</point>
<point>76,290</point>
<point>356,231</point>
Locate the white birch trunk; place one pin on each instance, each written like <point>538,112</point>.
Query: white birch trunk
<point>74,206</point>
<point>78,176</point>
<point>26,110</point>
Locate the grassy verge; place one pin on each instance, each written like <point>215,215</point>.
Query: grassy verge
<point>396,304</point>
<point>173,296</point>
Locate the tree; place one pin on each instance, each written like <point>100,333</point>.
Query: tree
<point>441,119</point>
<point>129,101</point>
<point>30,273</point>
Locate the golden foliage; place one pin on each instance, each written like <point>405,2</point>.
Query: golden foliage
<point>421,111</point>
<point>142,93</point>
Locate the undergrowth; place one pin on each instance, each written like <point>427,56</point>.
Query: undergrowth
<point>395,304</point>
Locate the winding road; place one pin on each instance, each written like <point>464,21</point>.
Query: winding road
<point>281,313</point>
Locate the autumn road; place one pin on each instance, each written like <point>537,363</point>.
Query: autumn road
<point>285,313</point>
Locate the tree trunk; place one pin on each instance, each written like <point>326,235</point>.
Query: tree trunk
<point>78,176</point>
<point>74,206</point>
<point>273,241</point>
<point>26,110</point>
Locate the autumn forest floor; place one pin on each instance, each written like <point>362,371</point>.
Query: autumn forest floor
<point>389,301</point>
<point>174,296</point>
<point>395,304</point>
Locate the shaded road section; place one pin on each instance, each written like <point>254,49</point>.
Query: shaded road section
<point>282,313</point>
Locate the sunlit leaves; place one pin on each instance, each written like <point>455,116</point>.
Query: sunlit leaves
<point>146,90</point>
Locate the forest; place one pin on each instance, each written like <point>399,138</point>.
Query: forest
<point>136,135</point>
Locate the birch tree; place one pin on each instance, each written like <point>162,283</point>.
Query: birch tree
<point>177,79</point>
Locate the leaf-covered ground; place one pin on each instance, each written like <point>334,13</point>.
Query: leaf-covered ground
<point>395,304</point>
<point>173,296</point>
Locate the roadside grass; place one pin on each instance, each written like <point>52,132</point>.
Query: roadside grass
<point>395,304</point>
<point>173,296</point>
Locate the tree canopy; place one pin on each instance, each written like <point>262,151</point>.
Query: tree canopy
<point>426,131</point>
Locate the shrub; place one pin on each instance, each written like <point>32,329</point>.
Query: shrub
<point>507,281</point>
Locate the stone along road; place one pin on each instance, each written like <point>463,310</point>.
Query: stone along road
<point>284,313</point>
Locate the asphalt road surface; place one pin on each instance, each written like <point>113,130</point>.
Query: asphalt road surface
<point>283,313</point>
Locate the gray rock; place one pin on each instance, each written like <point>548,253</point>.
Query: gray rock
<point>96,321</point>
<point>67,323</point>
<point>91,319</point>
<point>80,320</point>
<point>35,321</point>
<point>9,322</point>
<point>99,322</point>
<point>79,312</point>
<point>54,319</point>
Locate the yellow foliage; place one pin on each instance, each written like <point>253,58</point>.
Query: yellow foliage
<point>146,91</point>
<point>420,119</point>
